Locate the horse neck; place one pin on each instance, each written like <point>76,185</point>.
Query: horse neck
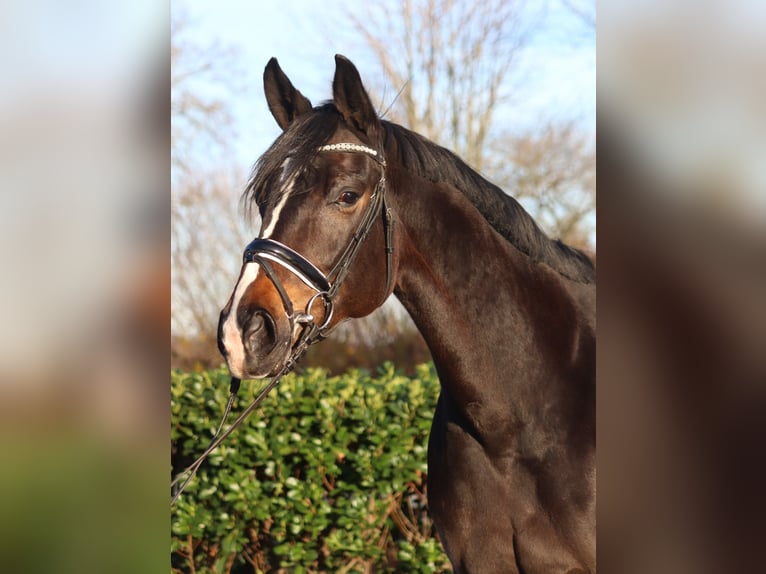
<point>494,320</point>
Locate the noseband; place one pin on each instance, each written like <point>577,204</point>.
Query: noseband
<point>326,286</point>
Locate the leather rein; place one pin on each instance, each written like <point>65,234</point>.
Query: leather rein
<point>265,251</point>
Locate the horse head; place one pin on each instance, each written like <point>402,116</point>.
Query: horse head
<point>325,250</point>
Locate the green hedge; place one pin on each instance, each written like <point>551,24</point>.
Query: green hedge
<point>328,475</point>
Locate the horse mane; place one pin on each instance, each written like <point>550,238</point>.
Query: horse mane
<point>426,159</point>
<point>506,215</point>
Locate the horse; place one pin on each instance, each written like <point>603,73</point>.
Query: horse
<point>355,208</point>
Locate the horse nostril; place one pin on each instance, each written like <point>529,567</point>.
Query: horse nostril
<point>259,333</point>
<point>257,323</point>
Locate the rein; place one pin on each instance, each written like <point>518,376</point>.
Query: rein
<point>265,251</point>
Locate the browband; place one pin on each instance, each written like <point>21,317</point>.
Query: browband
<point>349,147</point>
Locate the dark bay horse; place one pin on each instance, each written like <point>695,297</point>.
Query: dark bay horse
<point>355,208</point>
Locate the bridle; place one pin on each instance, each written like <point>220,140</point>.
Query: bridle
<point>265,251</point>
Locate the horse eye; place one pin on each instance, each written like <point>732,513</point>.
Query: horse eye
<point>348,198</point>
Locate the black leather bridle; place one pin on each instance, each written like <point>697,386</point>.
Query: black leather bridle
<point>266,251</point>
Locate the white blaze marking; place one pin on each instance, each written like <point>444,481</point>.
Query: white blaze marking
<point>274,216</point>
<point>232,337</point>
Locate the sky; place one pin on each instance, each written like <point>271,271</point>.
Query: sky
<point>556,75</point>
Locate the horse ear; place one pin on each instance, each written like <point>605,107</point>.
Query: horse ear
<point>351,98</point>
<point>285,102</point>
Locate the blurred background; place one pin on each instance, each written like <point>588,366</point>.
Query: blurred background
<point>84,294</point>
<point>682,286</point>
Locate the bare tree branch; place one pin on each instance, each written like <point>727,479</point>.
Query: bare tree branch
<point>451,61</point>
<point>198,120</point>
<point>553,173</point>
<point>584,10</point>
<point>206,240</point>
<point>207,234</point>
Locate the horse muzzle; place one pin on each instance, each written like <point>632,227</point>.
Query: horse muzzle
<point>254,335</point>
<point>260,331</point>
<point>266,341</point>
